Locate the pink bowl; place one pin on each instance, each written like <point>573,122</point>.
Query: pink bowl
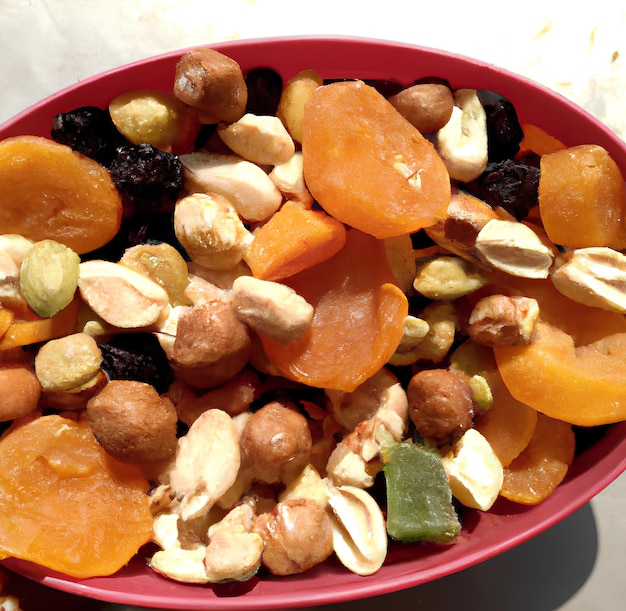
<point>484,535</point>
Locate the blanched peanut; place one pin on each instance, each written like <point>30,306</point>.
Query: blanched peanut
<point>260,139</point>
<point>212,83</point>
<point>289,178</point>
<point>275,443</point>
<point>297,536</point>
<point>210,230</point>
<point>427,106</point>
<point>68,362</point>
<point>462,141</point>
<point>440,404</point>
<point>132,422</point>
<point>271,308</point>
<point>244,184</point>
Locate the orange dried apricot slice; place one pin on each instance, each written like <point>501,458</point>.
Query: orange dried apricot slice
<point>47,190</point>
<point>294,239</point>
<point>575,366</point>
<point>543,465</point>
<point>358,321</point>
<point>367,165</point>
<point>582,198</point>
<point>65,504</point>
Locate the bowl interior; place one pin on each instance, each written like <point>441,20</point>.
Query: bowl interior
<point>484,534</point>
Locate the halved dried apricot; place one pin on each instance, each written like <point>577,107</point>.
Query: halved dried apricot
<point>358,321</point>
<point>582,198</point>
<point>65,504</point>
<point>543,465</point>
<point>47,190</point>
<point>575,366</point>
<point>367,165</point>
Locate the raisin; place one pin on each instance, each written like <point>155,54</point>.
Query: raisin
<point>265,87</point>
<point>138,357</point>
<point>504,132</point>
<point>147,178</point>
<point>511,185</point>
<point>88,130</point>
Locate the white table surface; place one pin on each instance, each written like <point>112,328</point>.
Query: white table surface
<point>579,51</point>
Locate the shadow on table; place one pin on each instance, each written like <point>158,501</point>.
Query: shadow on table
<point>541,574</point>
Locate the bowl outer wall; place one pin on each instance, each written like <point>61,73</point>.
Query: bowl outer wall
<point>484,535</point>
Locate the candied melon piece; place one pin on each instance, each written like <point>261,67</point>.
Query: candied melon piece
<point>419,497</point>
<point>582,198</point>
<point>508,425</point>
<point>47,190</point>
<point>65,504</point>
<point>358,320</point>
<point>294,239</point>
<point>543,465</point>
<point>575,366</point>
<point>367,165</point>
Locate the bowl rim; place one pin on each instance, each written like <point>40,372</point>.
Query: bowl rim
<point>614,464</point>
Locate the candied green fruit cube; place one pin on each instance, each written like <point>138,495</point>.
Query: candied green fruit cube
<point>419,499</point>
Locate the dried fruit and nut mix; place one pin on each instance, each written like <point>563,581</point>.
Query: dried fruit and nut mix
<point>255,323</point>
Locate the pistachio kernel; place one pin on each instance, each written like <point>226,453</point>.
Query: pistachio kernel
<point>49,277</point>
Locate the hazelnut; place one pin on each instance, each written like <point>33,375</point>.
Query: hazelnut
<point>297,536</point>
<point>440,404</point>
<point>276,443</point>
<point>132,422</point>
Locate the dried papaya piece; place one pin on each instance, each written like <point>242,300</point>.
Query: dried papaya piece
<point>22,331</point>
<point>582,198</point>
<point>543,465</point>
<point>575,366</point>
<point>367,165</point>
<point>65,504</point>
<point>294,239</point>
<point>47,190</point>
<point>358,320</point>
<point>537,140</point>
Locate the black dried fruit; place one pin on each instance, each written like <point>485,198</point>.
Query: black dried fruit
<point>504,132</point>
<point>138,357</point>
<point>88,130</point>
<point>147,178</point>
<point>511,185</point>
<point>136,229</point>
<point>265,87</point>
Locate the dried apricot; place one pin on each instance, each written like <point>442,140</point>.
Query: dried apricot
<point>358,321</point>
<point>543,465</point>
<point>582,198</point>
<point>574,368</point>
<point>367,165</point>
<point>539,141</point>
<point>65,504</point>
<point>47,190</point>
